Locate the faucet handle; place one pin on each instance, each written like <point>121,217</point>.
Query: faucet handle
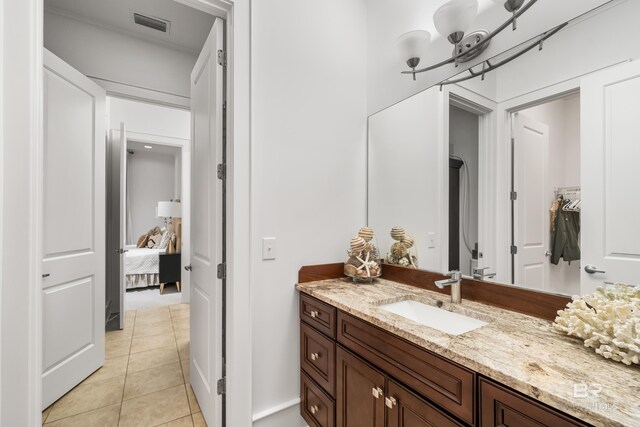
<point>455,275</point>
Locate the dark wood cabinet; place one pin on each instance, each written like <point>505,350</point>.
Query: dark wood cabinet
<point>354,374</point>
<point>441,381</point>
<point>360,392</point>
<point>500,406</point>
<point>407,409</point>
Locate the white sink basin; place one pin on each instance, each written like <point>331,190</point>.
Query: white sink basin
<point>434,317</point>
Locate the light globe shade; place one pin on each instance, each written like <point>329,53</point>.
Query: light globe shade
<point>413,44</point>
<point>455,16</point>
<point>169,210</point>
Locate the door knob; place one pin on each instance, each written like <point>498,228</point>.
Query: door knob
<point>121,251</point>
<point>547,253</point>
<point>45,275</point>
<point>188,267</point>
<point>592,269</point>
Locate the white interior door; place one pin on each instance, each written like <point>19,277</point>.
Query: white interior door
<point>73,263</point>
<point>610,102</point>
<point>206,220</point>
<point>531,215</point>
<point>123,221</point>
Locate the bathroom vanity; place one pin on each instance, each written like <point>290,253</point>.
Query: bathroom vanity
<point>366,364</point>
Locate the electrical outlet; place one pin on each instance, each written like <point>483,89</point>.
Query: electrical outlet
<point>268,248</point>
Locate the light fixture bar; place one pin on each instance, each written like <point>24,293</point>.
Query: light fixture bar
<point>490,67</point>
<point>478,46</point>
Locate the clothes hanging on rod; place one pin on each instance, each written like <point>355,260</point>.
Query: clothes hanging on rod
<point>565,229</point>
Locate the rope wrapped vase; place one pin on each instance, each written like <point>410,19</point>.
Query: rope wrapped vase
<point>363,264</point>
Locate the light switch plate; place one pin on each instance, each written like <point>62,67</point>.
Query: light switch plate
<point>431,240</point>
<point>268,248</point>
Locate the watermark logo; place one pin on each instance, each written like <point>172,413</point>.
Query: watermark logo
<point>586,390</point>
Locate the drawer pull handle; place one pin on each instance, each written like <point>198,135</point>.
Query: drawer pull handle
<point>377,392</point>
<point>315,356</point>
<point>314,409</point>
<point>391,402</point>
<point>314,314</point>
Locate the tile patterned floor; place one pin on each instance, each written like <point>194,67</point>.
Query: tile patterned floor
<point>144,381</point>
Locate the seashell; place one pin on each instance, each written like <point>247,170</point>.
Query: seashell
<point>357,244</point>
<point>398,250</point>
<point>408,241</point>
<point>353,261</point>
<point>397,233</point>
<point>350,270</point>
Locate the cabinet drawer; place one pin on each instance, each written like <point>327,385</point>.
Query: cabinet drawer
<point>318,314</point>
<point>449,385</point>
<point>500,406</point>
<point>318,357</point>
<point>410,410</point>
<point>316,407</point>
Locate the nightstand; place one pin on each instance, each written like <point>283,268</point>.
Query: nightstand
<point>169,270</point>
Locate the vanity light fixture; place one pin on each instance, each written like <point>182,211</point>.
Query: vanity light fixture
<point>452,20</point>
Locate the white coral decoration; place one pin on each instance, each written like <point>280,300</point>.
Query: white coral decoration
<point>608,320</point>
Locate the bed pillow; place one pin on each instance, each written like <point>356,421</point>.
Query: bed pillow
<point>164,240</point>
<point>142,241</point>
<point>155,235</point>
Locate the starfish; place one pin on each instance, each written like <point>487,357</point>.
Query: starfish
<point>366,264</point>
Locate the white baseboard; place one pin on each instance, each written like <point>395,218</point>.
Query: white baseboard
<point>286,414</point>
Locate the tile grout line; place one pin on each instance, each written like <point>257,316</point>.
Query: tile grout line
<point>126,371</point>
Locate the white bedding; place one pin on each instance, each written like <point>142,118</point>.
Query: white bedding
<point>142,261</point>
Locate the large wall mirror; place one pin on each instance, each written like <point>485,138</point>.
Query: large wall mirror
<point>529,176</point>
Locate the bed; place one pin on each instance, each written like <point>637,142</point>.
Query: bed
<point>142,267</point>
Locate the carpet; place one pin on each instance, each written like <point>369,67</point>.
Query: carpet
<point>150,297</point>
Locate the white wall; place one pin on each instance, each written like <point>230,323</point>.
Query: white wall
<point>463,141</point>
<point>150,119</point>
<point>109,55</point>
<point>308,171</point>
<point>563,118</point>
<point>386,20</point>
<point>151,178</point>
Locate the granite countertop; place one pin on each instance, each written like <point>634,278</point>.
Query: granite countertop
<point>520,351</point>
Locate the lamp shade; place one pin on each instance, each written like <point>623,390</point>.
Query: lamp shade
<point>169,210</point>
<point>455,16</point>
<point>413,44</point>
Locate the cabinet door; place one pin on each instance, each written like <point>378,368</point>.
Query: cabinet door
<point>359,398</point>
<point>405,409</point>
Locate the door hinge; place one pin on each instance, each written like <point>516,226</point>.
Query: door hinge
<point>222,386</point>
<point>514,250</point>
<point>222,270</point>
<point>222,171</point>
<point>222,57</point>
<point>513,195</point>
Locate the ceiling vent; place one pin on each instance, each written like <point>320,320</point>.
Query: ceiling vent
<point>151,22</point>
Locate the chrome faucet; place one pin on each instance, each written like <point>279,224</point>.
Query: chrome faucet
<point>454,282</point>
<point>479,274</point>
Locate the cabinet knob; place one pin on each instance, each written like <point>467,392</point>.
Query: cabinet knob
<point>314,314</point>
<point>314,409</point>
<point>377,392</point>
<point>315,356</point>
<point>391,402</point>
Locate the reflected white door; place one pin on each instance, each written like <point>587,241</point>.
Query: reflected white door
<point>206,220</point>
<point>73,264</point>
<point>123,220</point>
<point>610,102</point>
<point>531,177</point>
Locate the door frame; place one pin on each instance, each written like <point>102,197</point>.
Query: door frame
<point>21,392</point>
<point>485,110</point>
<point>185,194</point>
